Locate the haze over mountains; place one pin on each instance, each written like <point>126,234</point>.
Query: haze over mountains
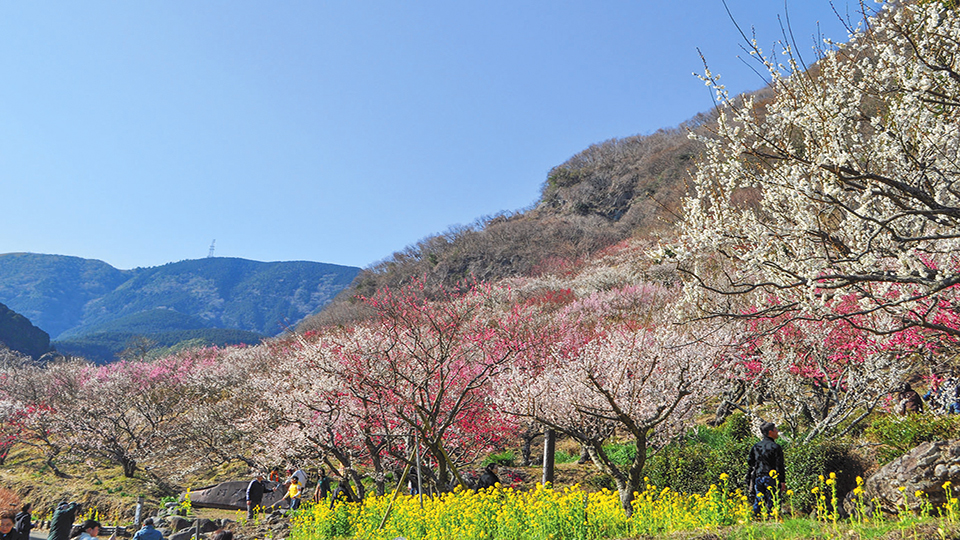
<point>75,299</point>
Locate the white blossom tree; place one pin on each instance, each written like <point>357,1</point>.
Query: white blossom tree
<point>640,379</point>
<point>846,181</point>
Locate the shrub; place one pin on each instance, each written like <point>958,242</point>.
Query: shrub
<point>899,434</point>
<point>507,457</point>
<point>621,454</point>
<point>692,463</point>
<point>562,456</point>
<point>806,462</point>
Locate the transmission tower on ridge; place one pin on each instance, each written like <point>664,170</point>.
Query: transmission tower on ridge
<point>212,245</point>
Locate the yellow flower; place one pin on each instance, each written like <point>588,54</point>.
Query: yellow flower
<point>815,490</point>
<point>724,476</point>
<point>833,475</point>
<point>902,489</point>
<point>789,492</point>
<point>831,481</point>
<point>918,494</point>
<point>947,484</point>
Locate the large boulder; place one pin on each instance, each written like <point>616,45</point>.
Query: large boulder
<point>925,469</point>
<point>185,534</point>
<point>231,496</point>
<point>178,523</point>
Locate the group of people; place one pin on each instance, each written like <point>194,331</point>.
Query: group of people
<point>295,484</point>
<point>943,397</point>
<point>293,488</point>
<point>16,526</point>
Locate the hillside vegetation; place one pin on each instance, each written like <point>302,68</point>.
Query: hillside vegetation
<point>612,191</point>
<point>18,334</point>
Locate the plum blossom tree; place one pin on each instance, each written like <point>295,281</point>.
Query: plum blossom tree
<point>427,366</point>
<point>35,394</point>
<point>307,411</point>
<point>642,378</point>
<point>844,182</point>
<point>824,377</point>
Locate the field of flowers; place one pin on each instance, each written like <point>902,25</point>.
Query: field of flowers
<point>571,513</point>
<point>542,513</point>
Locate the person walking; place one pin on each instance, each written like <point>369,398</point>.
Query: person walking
<point>294,493</point>
<point>255,490</point>
<point>61,524</point>
<point>323,486</point>
<point>765,468</point>
<point>24,520</point>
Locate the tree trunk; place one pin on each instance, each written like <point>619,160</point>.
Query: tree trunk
<point>525,450</point>
<point>129,466</point>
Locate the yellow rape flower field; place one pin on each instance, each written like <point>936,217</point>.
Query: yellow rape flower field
<point>542,513</point>
<point>545,513</point>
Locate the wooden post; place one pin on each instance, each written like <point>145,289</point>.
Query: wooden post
<point>136,515</point>
<point>396,492</point>
<point>549,451</point>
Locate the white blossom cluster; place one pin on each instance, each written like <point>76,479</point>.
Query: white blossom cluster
<point>846,181</point>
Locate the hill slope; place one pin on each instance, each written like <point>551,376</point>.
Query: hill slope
<point>611,191</point>
<point>18,334</point>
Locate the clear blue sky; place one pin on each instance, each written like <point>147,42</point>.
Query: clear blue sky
<point>340,131</point>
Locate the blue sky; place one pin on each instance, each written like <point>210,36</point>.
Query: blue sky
<point>341,131</point>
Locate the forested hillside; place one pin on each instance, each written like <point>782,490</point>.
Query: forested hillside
<point>18,334</point>
<point>92,309</point>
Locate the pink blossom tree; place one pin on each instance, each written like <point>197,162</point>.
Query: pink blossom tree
<point>427,365</point>
<point>827,376</point>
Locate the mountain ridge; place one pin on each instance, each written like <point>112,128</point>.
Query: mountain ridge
<point>70,296</point>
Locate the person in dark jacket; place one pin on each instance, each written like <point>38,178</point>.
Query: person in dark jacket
<point>323,486</point>
<point>23,522</point>
<point>765,468</point>
<point>7,529</point>
<point>255,490</point>
<point>489,477</point>
<point>343,491</point>
<point>61,524</point>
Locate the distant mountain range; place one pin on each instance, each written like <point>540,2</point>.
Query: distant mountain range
<point>85,301</point>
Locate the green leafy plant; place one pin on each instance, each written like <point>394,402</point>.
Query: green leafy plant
<point>507,457</point>
<point>899,434</point>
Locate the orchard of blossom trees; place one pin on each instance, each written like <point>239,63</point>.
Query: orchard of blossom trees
<point>817,262</point>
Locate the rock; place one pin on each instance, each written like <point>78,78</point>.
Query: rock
<point>185,534</point>
<point>925,468</point>
<point>207,525</point>
<point>230,496</point>
<point>178,523</point>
